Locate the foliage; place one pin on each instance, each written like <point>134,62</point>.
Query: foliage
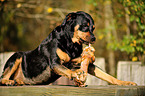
<point>25,21</point>
<point>134,43</point>
<point>11,32</point>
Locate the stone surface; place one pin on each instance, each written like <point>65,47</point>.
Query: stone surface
<point>131,71</point>
<point>53,90</point>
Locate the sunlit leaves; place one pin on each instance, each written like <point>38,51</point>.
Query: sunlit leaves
<point>134,58</point>
<point>19,5</point>
<point>92,2</point>
<point>49,10</point>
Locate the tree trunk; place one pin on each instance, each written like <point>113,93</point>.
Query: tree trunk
<point>127,21</point>
<point>110,27</point>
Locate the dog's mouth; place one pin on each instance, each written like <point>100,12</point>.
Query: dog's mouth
<point>85,42</point>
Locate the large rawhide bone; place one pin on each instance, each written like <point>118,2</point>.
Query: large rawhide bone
<point>87,58</point>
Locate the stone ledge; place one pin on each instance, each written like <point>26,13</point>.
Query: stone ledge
<point>57,90</point>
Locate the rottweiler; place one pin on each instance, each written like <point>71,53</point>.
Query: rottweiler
<point>56,55</point>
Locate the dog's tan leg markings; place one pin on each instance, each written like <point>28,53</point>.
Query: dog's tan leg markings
<point>6,71</point>
<point>104,76</point>
<point>19,77</point>
<point>62,70</point>
<point>7,75</point>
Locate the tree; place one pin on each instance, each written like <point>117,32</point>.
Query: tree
<point>133,41</point>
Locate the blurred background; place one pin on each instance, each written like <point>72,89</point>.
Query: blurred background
<point>120,26</point>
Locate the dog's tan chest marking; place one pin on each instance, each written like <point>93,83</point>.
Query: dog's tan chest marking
<point>64,57</point>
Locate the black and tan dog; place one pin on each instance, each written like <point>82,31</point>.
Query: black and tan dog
<point>56,55</point>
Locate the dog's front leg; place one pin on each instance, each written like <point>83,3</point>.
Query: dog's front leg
<point>62,70</point>
<point>96,71</point>
<point>77,74</point>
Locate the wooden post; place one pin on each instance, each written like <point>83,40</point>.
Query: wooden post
<point>3,59</point>
<point>131,71</point>
<point>92,80</point>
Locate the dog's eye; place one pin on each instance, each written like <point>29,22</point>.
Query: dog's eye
<point>84,25</point>
<point>84,28</point>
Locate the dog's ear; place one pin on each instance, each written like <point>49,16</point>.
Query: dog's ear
<point>69,18</point>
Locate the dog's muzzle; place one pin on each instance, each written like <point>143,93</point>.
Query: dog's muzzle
<point>93,39</point>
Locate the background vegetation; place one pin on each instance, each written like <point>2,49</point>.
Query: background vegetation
<point>120,25</point>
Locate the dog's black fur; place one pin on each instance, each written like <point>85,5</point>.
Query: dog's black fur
<point>56,55</point>
<point>45,57</point>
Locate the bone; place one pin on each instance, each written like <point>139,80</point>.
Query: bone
<point>87,57</point>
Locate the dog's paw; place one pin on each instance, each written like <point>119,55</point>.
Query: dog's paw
<point>126,83</point>
<point>7,82</point>
<point>19,82</point>
<point>80,79</point>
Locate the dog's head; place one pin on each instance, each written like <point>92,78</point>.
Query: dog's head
<point>80,26</point>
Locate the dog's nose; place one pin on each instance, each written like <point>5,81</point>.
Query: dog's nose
<point>93,38</point>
